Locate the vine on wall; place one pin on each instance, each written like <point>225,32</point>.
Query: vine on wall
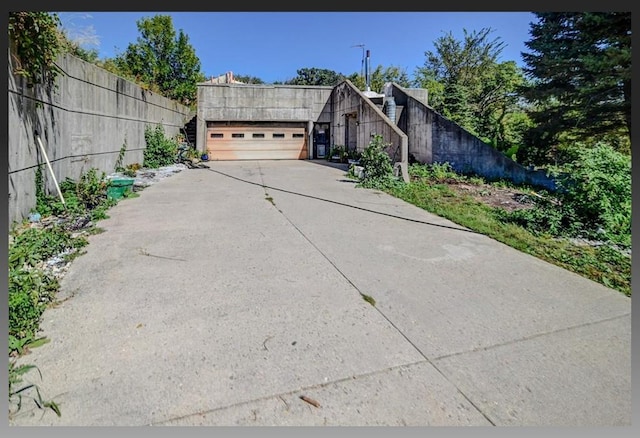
<point>35,40</point>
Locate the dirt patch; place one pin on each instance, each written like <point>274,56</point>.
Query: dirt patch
<point>509,199</point>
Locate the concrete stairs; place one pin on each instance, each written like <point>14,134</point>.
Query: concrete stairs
<point>190,130</point>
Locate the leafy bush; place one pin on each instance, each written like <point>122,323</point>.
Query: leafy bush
<point>596,189</point>
<point>436,172</point>
<point>29,292</point>
<point>338,152</point>
<point>160,150</point>
<point>88,193</point>
<point>120,160</point>
<point>30,287</point>
<point>91,189</point>
<point>36,244</point>
<point>594,198</point>
<point>378,170</point>
<point>542,219</point>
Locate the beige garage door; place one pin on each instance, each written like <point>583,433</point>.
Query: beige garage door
<point>256,143</point>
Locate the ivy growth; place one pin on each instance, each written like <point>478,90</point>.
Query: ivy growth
<point>36,41</point>
<point>120,160</point>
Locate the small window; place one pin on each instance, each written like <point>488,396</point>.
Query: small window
<point>258,135</point>
<point>237,135</point>
<point>298,135</point>
<point>217,135</point>
<point>278,135</point>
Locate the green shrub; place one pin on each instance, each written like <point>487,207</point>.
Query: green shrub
<point>88,193</point>
<point>593,201</point>
<point>29,292</point>
<point>160,150</point>
<point>596,189</point>
<point>541,219</point>
<point>91,189</point>
<point>436,172</point>
<point>378,170</point>
<point>131,170</point>
<point>37,244</point>
<point>338,152</point>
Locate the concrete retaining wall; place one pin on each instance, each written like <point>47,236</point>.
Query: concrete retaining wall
<point>83,122</point>
<point>435,139</point>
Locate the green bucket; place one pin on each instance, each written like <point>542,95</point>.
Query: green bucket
<point>118,187</point>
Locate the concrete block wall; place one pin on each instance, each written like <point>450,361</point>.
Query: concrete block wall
<point>83,122</point>
<point>436,139</point>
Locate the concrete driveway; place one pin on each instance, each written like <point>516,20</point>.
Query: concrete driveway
<point>212,300</point>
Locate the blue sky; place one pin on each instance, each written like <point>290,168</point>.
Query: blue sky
<point>274,45</point>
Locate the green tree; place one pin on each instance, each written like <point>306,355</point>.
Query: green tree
<point>468,85</point>
<point>380,76</point>
<point>247,79</point>
<point>357,80</point>
<point>316,76</point>
<point>580,65</point>
<point>160,57</point>
<point>499,113</point>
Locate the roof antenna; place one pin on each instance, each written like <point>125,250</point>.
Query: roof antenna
<point>362,62</point>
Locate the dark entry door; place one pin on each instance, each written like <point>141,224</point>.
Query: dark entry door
<point>321,140</point>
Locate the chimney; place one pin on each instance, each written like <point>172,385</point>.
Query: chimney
<point>367,71</point>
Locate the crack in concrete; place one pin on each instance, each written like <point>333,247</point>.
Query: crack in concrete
<point>379,311</point>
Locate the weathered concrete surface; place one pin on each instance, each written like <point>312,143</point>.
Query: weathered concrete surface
<point>83,122</point>
<point>433,138</point>
<point>259,103</point>
<point>212,300</point>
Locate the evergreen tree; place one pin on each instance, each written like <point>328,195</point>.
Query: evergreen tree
<point>580,66</point>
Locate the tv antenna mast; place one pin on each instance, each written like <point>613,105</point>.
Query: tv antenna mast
<point>362,62</point>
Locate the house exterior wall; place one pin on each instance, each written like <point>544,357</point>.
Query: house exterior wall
<point>348,99</point>
<point>83,122</point>
<point>260,103</point>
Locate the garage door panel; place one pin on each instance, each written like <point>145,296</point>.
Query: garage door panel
<point>258,155</point>
<point>256,143</point>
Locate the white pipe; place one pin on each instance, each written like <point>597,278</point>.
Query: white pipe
<point>50,168</point>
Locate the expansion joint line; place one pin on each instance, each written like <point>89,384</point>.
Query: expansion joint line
<point>265,187</point>
<point>377,309</point>
<point>386,318</point>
